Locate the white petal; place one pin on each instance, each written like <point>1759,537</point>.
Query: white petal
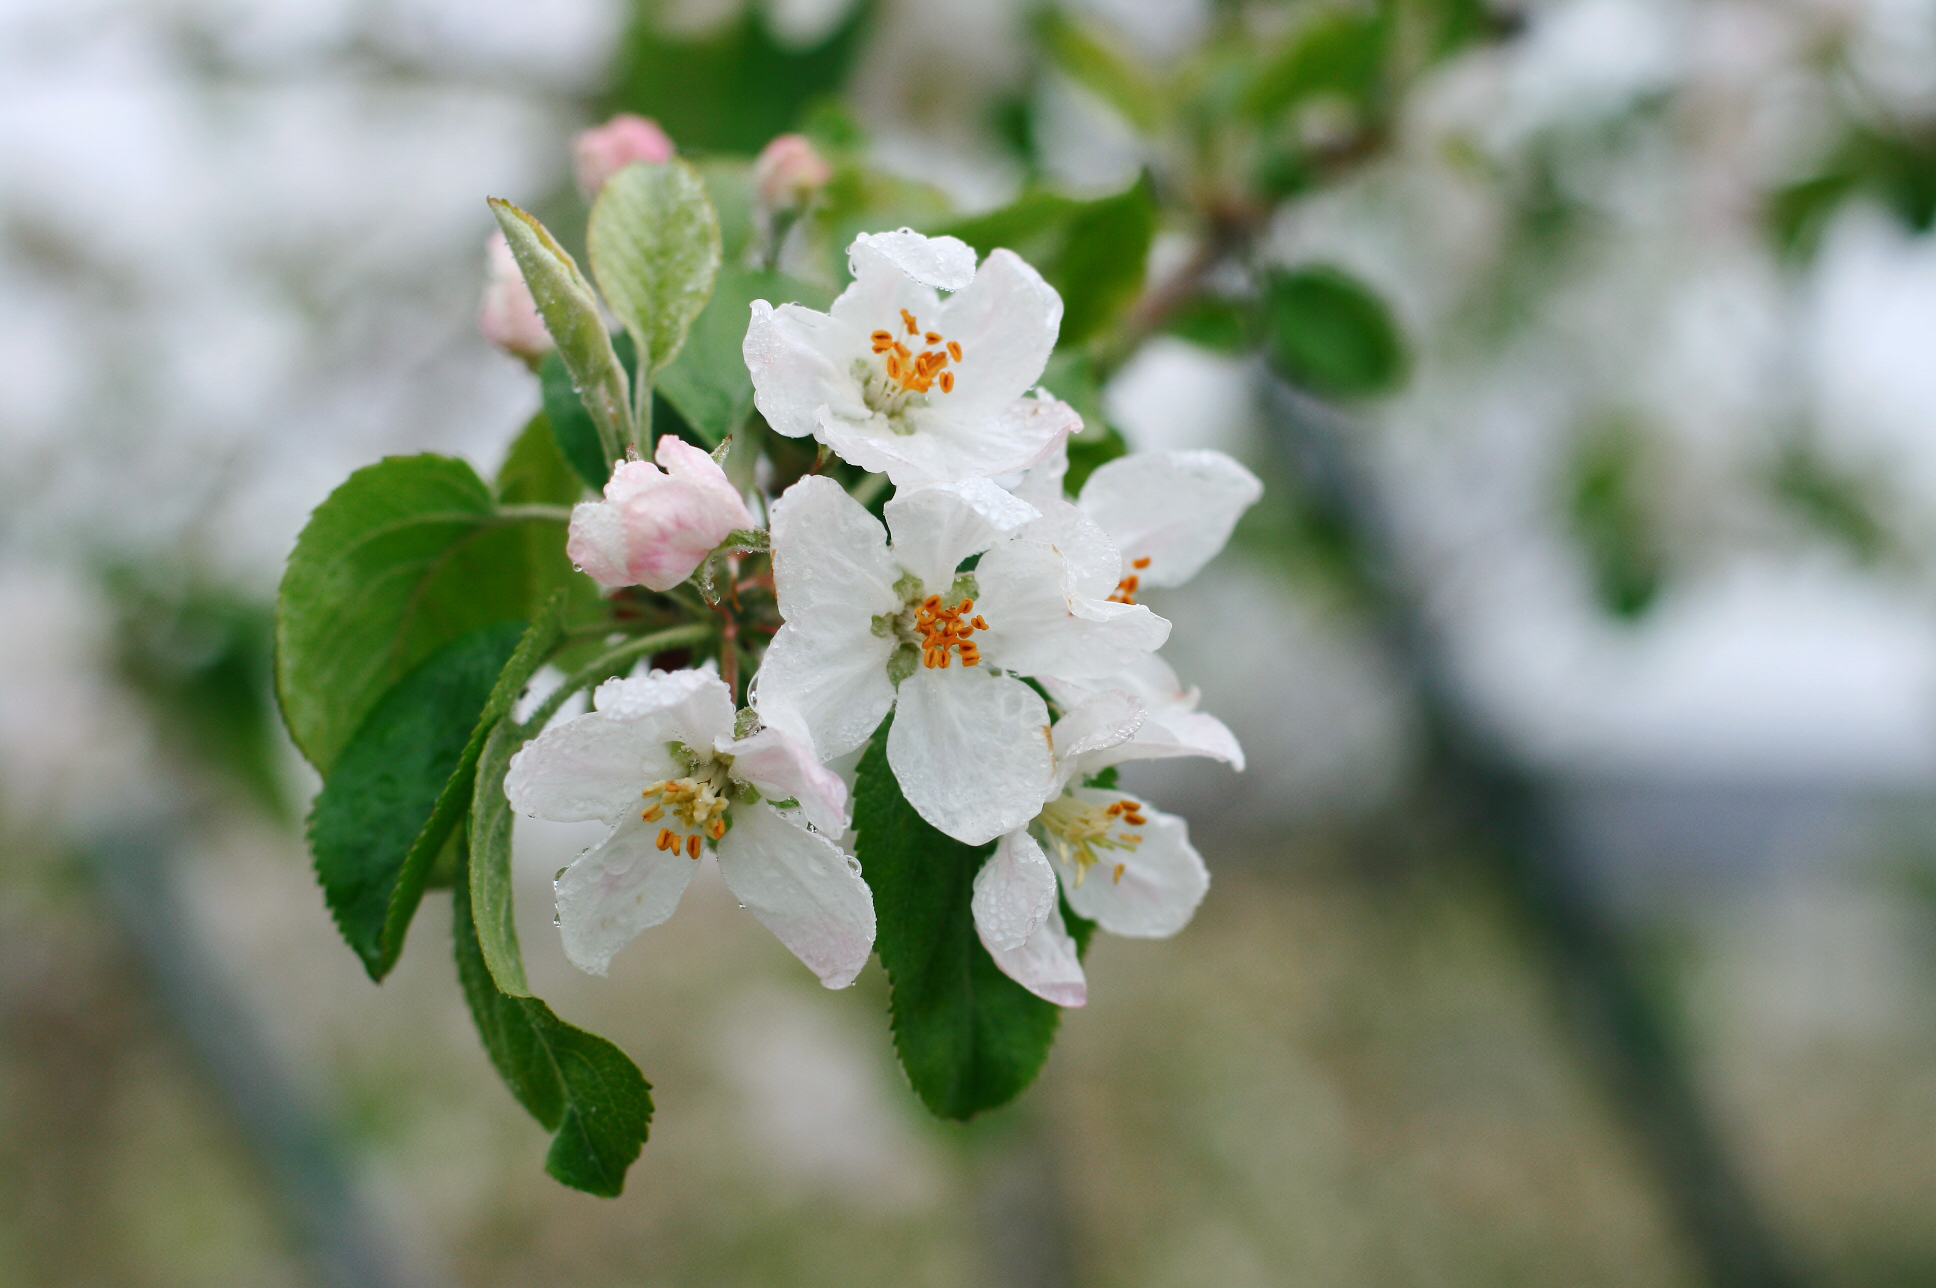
<point>1178,733</point>
<point>830,554</point>
<point>589,767</point>
<point>1093,564</point>
<point>1006,323</point>
<point>971,751</point>
<point>935,528</point>
<point>616,889</point>
<point>598,544</point>
<point>1047,965</point>
<point>1013,892</point>
<point>1159,884</point>
<point>1043,482</point>
<point>803,889</point>
<point>1175,509</point>
<point>943,263</point>
<point>833,672</point>
<point>782,765</point>
<point>800,361</point>
<point>1100,723</point>
<point>692,706</point>
<point>945,447</point>
<point>880,290</point>
<point>1035,627</point>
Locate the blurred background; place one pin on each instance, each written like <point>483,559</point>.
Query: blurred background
<point>1575,920</point>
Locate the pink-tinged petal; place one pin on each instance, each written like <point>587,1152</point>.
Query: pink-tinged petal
<point>830,555</point>
<point>946,448</point>
<point>1006,322</point>
<point>788,172</point>
<point>783,766</point>
<point>1014,891</point>
<point>802,361</point>
<point>935,528</point>
<point>656,525</point>
<point>692,706</point>
<point>509,315</point>
<point>616,889</point>
<point>589,767</point>
<point>1175,509</point>
<point>602,152</point>
<point>1035,627</point>
<point>1149,892</point>
<point>832,670</point>
<point>1047,965</point>
<point>803,889</point>
<point>971,751</point>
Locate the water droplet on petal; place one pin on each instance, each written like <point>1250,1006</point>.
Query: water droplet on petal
<point>578,567</point>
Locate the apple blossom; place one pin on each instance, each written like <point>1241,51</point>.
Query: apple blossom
<point>603,151</point>
<point>657,760</point>
<point>656,524</point>
<point>788,172</point>
<point>900,381</point>
<point>871,626</point>
<point>509,316</point>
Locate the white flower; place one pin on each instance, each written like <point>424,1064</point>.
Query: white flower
<point>1173,726</point>
<point>969,744</point>
<point>898,380</point>
<point>657,522</point>
<point>1122,863</point>
<point>1169,513</point>
<point>658,761</point>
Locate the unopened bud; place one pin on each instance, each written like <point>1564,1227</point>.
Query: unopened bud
<point>602,152</point>
<point>509,316</point>
<point>656,524</point>
<point>789,173</point>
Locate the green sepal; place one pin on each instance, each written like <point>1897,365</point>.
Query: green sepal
<point>969,1037</point>
<point>576,1084</point>
<point>399,788</point>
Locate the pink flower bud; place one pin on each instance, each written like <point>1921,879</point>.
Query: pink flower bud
<point>509,316</point>
<point>655,526</point>
<point>604,151</point>
<point>789,172</point>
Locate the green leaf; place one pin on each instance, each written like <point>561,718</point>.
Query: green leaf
<point>536,472</point>
<point>1216,323</point>
<point>576,1084</point>
<point>708,383</point>
<point>1326,331</point>
<point>1339,53</point>
<point>729,182</point>
<point>1100,67</point>
<point>654,242</point>
<point>1087,451</point>
<point>570,312</point>
<point>1092,252</point>
<point>398,789</point>
<point>969,1037</point>
<point>405,556</point>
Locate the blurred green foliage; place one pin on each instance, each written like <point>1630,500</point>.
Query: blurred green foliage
<point>1607,503</point>
<point>1894,166</point>
<point>1329,333</point>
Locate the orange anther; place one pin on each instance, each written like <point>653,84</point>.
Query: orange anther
<point>1115,808</point>
<point>932,337</point>
<point>716,829</point>
<point>980,623</point>
<point>882,337</point>
<point>914,328</point>
<point>667,841</point>
<point>692,846</point>
<point>652,815</point>
<point>1144,562</point>
<point>1116,879</point>
<point>947,382</point>
<point>954,351</point>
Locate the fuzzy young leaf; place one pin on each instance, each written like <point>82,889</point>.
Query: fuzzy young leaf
<point>399,788</point>
<point>576,1084</point>
<point>1329,333</point>
<point>654,240</point>
<point>708,383</point>
<point>570,312</point>
<point>405,556</point>
<point>969,1037</point>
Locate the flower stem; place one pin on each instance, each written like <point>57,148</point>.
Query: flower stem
<point>603,666</point>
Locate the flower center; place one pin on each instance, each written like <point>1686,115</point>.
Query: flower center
<point>906,372</point>
<point>693,808</point>
<point>1125,592</point>
<point>1077,830</point>
<point>945,631</point>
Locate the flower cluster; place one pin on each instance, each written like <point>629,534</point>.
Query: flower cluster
<point>993,616</point>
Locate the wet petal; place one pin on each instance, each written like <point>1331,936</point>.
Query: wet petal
<point>588,767</point>
<point>971,751</point>
<point>1175,509</point>
<point>1036,627</point>
<point>616,889</point>
<point>833,672</point>
<point>1156,888</point>
<point>945,447</point>
<point>692,706</point>
<point>830,554</point>
<point>1014,891</point>
<point>801,361</point>
<point>1092,564</point>
<point>1006,322</point>
<point>803,889</point>
<point>938,263</point>
<point>935,528</point>
<point>1047,965</point>
<point>781,763</point>
<point>1101,722</point>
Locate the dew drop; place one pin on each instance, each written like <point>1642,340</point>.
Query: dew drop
<point>578,567</point>
<point>742,905</point>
